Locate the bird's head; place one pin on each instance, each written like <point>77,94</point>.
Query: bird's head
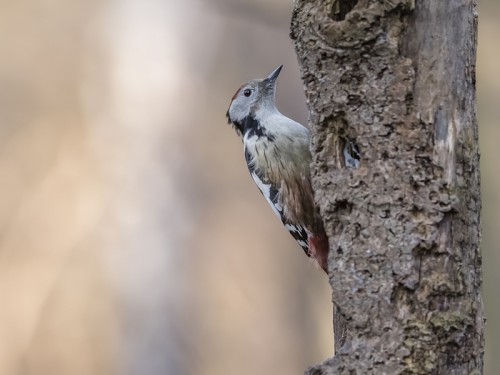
<point>257,95</point>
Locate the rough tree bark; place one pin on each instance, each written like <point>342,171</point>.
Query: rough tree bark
<point>397,79</point>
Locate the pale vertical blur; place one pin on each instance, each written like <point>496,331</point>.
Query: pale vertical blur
<point>132,240</point>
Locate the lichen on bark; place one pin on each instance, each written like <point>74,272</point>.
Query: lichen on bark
<point>398,79</point>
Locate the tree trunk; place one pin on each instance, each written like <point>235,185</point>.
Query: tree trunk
<point>394,81</point>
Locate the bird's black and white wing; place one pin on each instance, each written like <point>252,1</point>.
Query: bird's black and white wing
<point>271,193</point>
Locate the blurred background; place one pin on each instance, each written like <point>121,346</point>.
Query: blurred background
<point>132,239</point>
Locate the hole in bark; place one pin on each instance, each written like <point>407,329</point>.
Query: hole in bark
<point>340,8</point>
<point>343,206</point>
<point>423,250</point>
<point>409,103</point>
<point>352,154</point>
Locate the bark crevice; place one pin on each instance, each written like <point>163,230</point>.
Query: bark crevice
<point>341,8</point>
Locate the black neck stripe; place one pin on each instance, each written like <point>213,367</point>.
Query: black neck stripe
<point>249,125</point>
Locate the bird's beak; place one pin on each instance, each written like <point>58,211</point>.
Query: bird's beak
<point>271,79</point>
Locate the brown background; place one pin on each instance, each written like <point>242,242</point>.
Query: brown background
<point>132,240</point>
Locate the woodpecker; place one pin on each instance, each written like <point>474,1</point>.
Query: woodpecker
<point>277,154</point>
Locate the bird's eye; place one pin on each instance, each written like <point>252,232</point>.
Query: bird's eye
<point>247,92</point>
